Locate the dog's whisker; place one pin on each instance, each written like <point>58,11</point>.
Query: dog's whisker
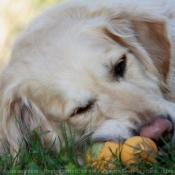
<point>83,139</point>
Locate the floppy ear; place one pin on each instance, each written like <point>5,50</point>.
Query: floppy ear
<point>146,37</point>
<point>154,38</point>
<point>18,117</point>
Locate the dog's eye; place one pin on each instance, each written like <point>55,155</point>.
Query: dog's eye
<point>119,69</point>
<point>82,110</point>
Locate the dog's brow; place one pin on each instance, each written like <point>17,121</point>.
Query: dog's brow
<point>112,57</point>
<point>88,102</point>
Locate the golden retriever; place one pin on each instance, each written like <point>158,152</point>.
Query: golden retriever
<point>103,67</point>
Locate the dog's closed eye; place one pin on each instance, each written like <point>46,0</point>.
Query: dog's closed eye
<point>82,110</point>
<point>120,67</point>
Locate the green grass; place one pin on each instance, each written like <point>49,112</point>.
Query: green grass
<point>38,161</point>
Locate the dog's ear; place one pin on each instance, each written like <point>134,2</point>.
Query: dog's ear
<point>18,117</point>
<point>154,38</point>
<point>146,37</point>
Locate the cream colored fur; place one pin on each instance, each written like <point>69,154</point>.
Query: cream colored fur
<point>62,63</point>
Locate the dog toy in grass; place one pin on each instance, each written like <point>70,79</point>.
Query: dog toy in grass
<point>102,155</point>
<point>138,149</point>
<point>135,149</point>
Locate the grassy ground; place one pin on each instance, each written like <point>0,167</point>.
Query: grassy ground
<point>39,161</point>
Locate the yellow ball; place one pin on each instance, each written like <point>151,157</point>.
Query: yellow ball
<point>137,149</point>
<point>100,155</point>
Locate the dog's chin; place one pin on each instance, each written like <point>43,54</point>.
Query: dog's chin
<point>112,130</point>
<point>109,138</point>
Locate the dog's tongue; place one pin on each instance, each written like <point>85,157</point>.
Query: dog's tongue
<point>160,128</point>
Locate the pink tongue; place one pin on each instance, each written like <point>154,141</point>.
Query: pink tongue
<point>159,128</point>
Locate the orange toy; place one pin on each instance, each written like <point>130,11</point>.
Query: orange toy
<point>138,149</point>
<point>100,155</point>
<point>135,149</point>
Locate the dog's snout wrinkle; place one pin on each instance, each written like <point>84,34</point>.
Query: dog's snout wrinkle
<point>160,130</point>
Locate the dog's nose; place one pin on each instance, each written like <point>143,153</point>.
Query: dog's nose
<point>160,130</point>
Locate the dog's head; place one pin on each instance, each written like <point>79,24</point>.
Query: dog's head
<point>102,69</point>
